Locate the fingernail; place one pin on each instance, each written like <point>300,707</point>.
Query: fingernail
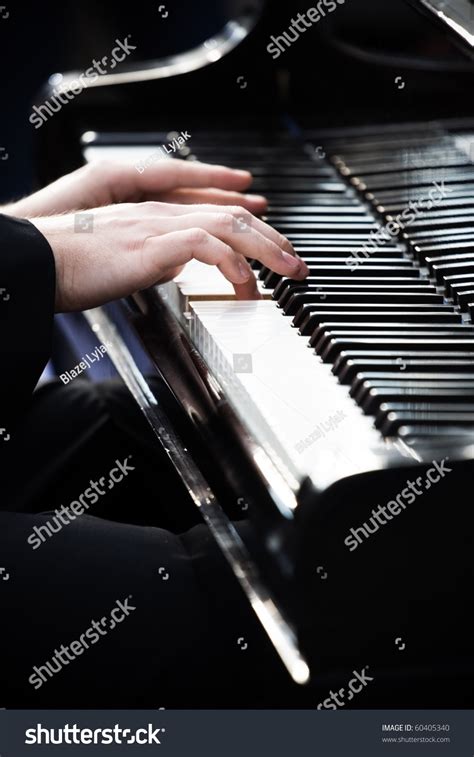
<point>291,261</point>
<point>260,198</point>
<point>242,173</point>
<point>245,271</point>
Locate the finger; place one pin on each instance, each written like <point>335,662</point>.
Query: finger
<point>248,290</point>
<point>243,220</point>
<point>253,203</point>
<point>171,174</point>
<point>247,241</point>
<point>161,253</point>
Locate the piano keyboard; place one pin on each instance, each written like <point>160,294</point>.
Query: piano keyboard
<point>369,362</point>
<point>389,373</point>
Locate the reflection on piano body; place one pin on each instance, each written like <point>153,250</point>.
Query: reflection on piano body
<point>318,402</point>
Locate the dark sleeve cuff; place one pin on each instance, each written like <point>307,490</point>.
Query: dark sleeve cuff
<point>27,297</point>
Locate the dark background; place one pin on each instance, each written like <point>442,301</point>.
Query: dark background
<point>341,72</point>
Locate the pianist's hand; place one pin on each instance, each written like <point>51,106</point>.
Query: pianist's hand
<point>134,245</point>
<point>106,183</point>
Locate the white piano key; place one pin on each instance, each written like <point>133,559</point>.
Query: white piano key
<point>283,392</point>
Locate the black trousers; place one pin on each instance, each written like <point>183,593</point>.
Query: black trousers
<point>129,602</point>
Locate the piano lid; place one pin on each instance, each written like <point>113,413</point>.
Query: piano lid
<point>455,15</point>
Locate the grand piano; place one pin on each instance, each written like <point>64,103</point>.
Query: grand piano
<point>334,415</point>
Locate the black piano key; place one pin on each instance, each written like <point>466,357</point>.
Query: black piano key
<point>363,383</point>
<point>281,210</point>
<point>415,396</point>
<point>271,278</point>
<point>284,287</point>
<point>351,362</point>
<point>393,415</point>
<point>415,436</point>
<point>403,195</point>
<point>299,299</point>
<point>314,317</point>
<point>417,179</point>
<point>358,222</point>
<point>450,281</point>
<point>460,286</point>
<point>313,252</point>
<point>400,376</point>
<point>450,239</point>
<point>314,263</point>
<point>338,345</point>
<point>307,199</point>
<point>327,329</point>
<point>314,186</point>
<point>460,257</point>
<point>374,313</point>
<point>283,291</point>
<point>440,270</point>
<point>461,203</point>
<point>464,299</point>
<point>412,332</point>
<point>435,223</point>
<point>321,227</point>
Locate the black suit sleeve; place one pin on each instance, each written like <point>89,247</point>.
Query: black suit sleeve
<point>27,292</point>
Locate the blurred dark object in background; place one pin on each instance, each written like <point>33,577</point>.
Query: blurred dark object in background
<point>369,61</point>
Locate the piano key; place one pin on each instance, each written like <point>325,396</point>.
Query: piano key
<point>392,284</point>
<point>451,239</point>
<point>313,317</point>
<point>460,202</point>
<point>314,186</point>
<point>299,299</point>
<point>416,436</point>
<point>341,271</point>
<point>403,195</point>
<point>440,270</point>
<point>321,342</point>
<point>265,395</point>
<point>367,380</point>
<point>351,362</point>
<point>393,415</point>
<point>464,299</point>
<point>450,258</point>
<point>451,281</point>
<point>404,344</point>
<point>460,286</point>
<point>375,312</point>
<point>415,396</point>
<point>361,384</point>
<point>283,292</point>
<point>425,178</point>
<point>436,223</point>
<point>277,210</point>
<point>321,226</point>
<point>327,329</point>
